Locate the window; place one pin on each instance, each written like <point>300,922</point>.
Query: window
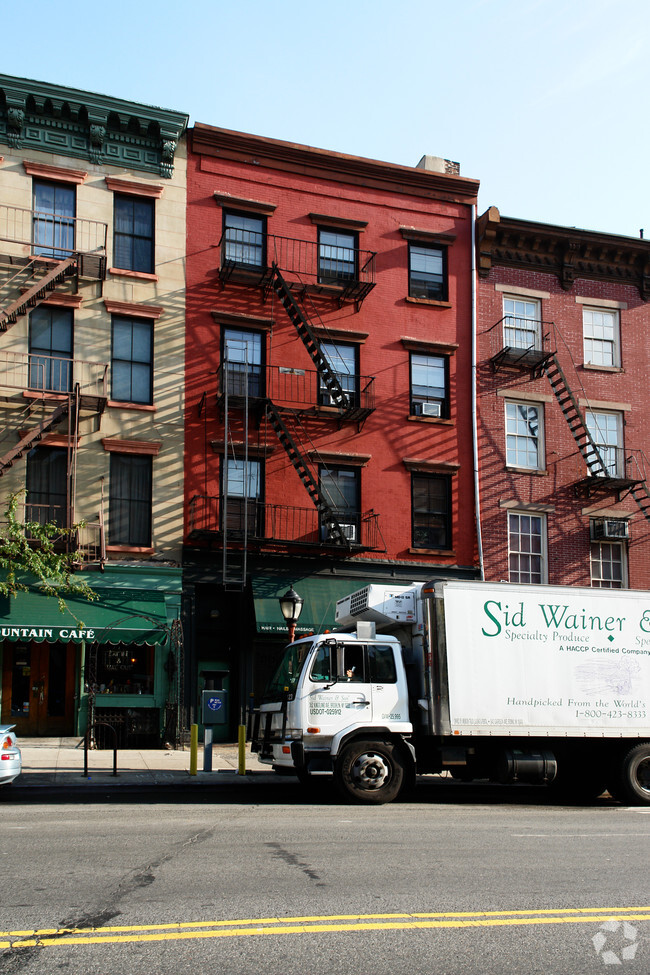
<point>54,213</point>
<point>337,256</point>
<point>125,669</point>
<point>606,431</point>
<point>523,436</point>
<point>342,360</point>
<point>526,547</point>
<point>429,383</point>
<point>242,489</point>
<point>600,329</point>
<point>354,662</point>
<point>340,487</point>
<point>133,240</point>
<point>131,360</point>
<point>427,272</point>
<point>130,500</point>
<point>243,362</point>
<point>607,561</point>
<point>431,511</point>
<point>50,349</point>
<point>522,323</point>
<point>46,484</point>
<point>244,239</point>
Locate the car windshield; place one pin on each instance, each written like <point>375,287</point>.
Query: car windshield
<point>288,671</point>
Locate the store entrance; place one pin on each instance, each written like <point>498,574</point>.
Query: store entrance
<point>38,688</point>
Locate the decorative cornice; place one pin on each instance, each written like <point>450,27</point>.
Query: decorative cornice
<point>423,345</point>
<point>335,458</point>
<point>421,466</point>
<point>289,157</point>
<point>133,309</point>
<point>142,447</point>
<point>342,222</point>
<point>243,203</point>
<point>235,320</point>
<point>84,125</point>
<point>566,252</point>
<point>129,186</point>
<point>62,174</point>
<point>427,236</point>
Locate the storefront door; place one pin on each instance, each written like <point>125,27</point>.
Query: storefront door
<point>38,688</point>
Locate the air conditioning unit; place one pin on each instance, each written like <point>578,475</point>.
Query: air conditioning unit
<point>330,533</point>
<point>610,528</point>
<point>431,409</point>
<point>350,532</point>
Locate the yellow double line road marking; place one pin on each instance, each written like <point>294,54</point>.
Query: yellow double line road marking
<point>253,927</point>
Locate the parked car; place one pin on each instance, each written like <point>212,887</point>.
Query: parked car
<point>11,762</point>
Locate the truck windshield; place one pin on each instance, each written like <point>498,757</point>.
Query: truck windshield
<point>288,671</point>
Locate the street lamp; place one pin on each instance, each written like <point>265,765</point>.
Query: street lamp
<point>291,606</point>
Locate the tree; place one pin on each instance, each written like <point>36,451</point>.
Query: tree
<point>27,549</point>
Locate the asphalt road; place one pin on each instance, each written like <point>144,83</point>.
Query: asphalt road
<point>455,881</point>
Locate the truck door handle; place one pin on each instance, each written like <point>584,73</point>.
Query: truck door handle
<point>365,703</point>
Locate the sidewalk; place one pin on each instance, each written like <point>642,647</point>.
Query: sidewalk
<point>59,763</point>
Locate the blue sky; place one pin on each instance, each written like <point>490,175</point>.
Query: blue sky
<point>544,101</point>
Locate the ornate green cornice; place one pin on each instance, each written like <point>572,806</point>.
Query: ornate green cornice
<point>81,124</point>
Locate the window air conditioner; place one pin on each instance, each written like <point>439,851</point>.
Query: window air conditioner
<point>431,409</point>
<point>610,528</point>
<point>350,532</point>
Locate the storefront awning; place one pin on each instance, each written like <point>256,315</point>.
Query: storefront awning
<point>319,608</point>
<point>119,615</point>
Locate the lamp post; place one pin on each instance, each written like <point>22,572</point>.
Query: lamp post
<point>291,606</point>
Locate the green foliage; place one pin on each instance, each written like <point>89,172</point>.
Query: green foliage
<point>27,549</point>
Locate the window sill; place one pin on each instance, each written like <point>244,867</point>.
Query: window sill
<point>526,470</point>
<point>440,420</point>
<point>433,551</point>
<point>140,407</point>
<point>593,368</point>
<point>428,301</point>
<point>131,549</point>
<point>43,394</point>
<point>140,275</point>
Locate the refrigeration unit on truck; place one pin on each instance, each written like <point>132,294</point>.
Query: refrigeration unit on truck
<point>536,684</point>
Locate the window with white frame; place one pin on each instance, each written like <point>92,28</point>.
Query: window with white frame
<point>600,331</point>
<point>522,326</point>
<point>526,547</point>
<point>242,491</point>
<point>608,565</point>
<point>524,435</point>
<point>606,431</point>
<point>429,385</point>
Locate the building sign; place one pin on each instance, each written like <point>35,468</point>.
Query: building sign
<point>46,633</point>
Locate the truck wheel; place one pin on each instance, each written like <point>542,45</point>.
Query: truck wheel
<point>370,771</point>
<point>634,777</point>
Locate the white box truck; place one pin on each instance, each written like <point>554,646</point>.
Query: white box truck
<point>502,682</point>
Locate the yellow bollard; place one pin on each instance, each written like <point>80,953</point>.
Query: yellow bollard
<point>194,748</point>
<point>242,750</point>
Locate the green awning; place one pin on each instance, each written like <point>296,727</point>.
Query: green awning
<point>121,614</point>
<point>320,594</point>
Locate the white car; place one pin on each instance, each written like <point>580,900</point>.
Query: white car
<point>11,762</point>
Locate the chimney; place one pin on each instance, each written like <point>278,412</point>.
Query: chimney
<point>436,164</point>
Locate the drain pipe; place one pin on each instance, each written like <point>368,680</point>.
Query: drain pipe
<point>477,495</point>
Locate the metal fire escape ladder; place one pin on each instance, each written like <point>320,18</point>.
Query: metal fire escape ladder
<point>33,436</point>
<point>292,450</point>
<point>234,559</point>
<point>37,292</point>
<point>310,341</point>
<point>574,417</point>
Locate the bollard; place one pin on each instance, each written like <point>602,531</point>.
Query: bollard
<point>242,750</point>
<point>194,748</point>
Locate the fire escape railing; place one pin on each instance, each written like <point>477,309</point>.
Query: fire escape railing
<point>55,237</point>
<point>290,387</point>
<point>52,375</point>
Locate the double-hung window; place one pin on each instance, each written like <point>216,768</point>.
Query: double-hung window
<point>133,233</point>
<point>340,488</point>
<point>243,362</point>
<point>343,362</point>
<point>522,328</point>
<point>54,215</point>
<point>130,499</point>
<point>429,385</point>
<point>427,272</point>
<point>600,329</point>
<point>524,435</point>
<point>337,256</point>
<point>132,360</point>
<point>244,239</point>
<point>47,485</point>
<point>526,547</point>
<point>242,492</point>
<point>606,431</point>
<point>608,565</point>
<point>430,511</point>
<point>50,349</point>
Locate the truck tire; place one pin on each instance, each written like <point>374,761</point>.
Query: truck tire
<point>370,771</point>
<point>633,784</point>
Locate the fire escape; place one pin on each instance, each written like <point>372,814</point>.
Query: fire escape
<point>290,402</point>
<point>537,354</point>
<point>42,254</point>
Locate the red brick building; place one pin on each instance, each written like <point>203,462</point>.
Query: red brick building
<point>328,387</point>
<point>563,405</point>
